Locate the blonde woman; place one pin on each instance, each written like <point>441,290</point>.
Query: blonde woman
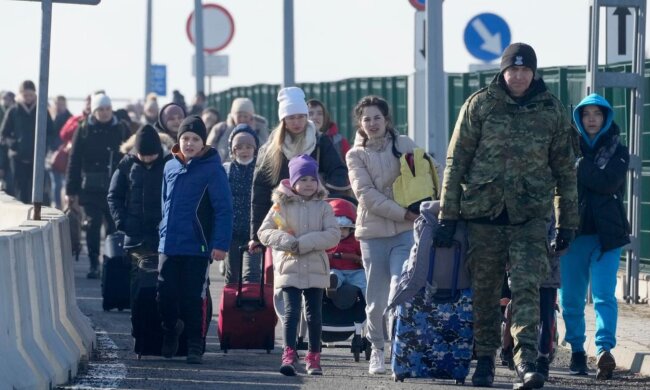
<point>293,136</point>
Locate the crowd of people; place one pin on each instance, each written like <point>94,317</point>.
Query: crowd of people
<point>515,159</point>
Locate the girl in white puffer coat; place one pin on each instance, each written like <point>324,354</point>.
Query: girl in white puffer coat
<point>299,228</point>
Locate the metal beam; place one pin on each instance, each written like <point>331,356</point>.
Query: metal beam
<point>289,74</point>
<point>81,2</point>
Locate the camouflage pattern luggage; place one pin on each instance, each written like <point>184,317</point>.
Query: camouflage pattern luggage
<point>433,336</point>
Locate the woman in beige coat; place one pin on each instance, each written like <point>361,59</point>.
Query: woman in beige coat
<point>299,228</point>
<point>383,227</point>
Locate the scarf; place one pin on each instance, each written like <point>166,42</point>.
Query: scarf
<point>305,145</point>
<point>606,152</point>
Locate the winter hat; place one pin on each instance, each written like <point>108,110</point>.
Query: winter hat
<point>147,141</point>
<point>243,134</point>
<point>99,100</point>
<point>194,124</point>
<point>27,85</point>
<point>302,165</point>
<point>242,104</point>
<point>519,54</point>
<point>344,222</point>
<point>292,102</point>
<point>169,110</point>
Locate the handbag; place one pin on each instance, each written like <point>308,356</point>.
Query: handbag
<point>58,160</point>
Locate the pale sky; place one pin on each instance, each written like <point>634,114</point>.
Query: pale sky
<point>102,47</point>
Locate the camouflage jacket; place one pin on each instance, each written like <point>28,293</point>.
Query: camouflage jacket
<point>506,155</point>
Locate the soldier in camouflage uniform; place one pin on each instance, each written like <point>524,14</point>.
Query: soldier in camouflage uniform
<point>510,153</point>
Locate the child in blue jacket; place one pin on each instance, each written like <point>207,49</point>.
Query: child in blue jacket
<point>186,245</point>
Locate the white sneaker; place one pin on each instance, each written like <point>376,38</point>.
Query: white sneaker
<point>377,362</point>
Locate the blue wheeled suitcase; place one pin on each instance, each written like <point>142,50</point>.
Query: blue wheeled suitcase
<point>433,336</point>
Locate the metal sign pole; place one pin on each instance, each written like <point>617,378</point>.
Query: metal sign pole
<point>147,55</point>
<point>289,68</point>
<point>41,110</point>
<point>435,81</point>
<point>198,36</point>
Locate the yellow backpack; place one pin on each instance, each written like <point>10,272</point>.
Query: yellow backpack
<point>417,182</point>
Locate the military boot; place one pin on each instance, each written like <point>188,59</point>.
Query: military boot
<point>530,378</point>
<point>484,373</point>
<point>194,351</point>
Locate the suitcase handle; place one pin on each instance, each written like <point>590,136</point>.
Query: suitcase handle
<point>240,283</point>
<point>432,263</point>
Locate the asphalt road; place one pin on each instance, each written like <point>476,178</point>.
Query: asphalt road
<point>114,364</point>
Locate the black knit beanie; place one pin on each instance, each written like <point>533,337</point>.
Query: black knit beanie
<point>519,54</point>
<point>195,124</point>
<point>147,141</point>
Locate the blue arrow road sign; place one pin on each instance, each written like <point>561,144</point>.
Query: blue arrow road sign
<point>486,36</point>
<point>159,79</point>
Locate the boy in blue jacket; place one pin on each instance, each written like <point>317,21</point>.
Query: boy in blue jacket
<point>186,245</point>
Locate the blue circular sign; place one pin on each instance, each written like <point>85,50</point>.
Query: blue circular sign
<point>486,36</point>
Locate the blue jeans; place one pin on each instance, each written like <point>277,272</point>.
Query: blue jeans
<point>383,259</point>
<point>355,277</point>
<point>56,184</point>
<point>583,261</point>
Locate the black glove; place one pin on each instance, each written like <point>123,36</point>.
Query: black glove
<point>445,234</point>
<point>563,238</point>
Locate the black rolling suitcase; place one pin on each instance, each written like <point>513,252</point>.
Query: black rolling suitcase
<point>116,270</point>
<point>145,319</point>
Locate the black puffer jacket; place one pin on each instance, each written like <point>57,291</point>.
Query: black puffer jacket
<point>94,156</point>
<point>19,129</point>
<point>134,200</point>
<point>601,191</point>
<point>333,172</point>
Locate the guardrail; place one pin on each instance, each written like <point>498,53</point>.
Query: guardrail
<point>44,335</point>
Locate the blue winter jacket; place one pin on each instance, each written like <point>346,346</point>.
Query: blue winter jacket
<point>184,185</point>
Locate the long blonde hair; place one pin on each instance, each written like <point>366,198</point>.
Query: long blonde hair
<point>271,161</point>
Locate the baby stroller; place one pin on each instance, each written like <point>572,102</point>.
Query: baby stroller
<point>344,316</point>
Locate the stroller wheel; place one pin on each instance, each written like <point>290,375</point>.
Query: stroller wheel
<point>367,347</point>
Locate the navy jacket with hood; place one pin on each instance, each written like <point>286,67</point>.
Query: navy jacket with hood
<point>133,199</point>
<point>601,179</point>
<point>185,184</point>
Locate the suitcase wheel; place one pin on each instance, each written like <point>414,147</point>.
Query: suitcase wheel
<point>398,378</point>
<point>460,381</point>
<point>139,356</point>
<point>268,351</point>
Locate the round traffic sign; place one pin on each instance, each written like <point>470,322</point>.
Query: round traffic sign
<point>419,5</point>
<point>486,36</point>
<point>218,28</point>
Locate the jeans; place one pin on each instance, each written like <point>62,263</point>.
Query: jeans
<point>292,297</point>
<point>182,283</point>
<point>56,184</point>
<point>252,262</point>
<point>383,259</point>
<point>355,277</point>
<point>585,261</point>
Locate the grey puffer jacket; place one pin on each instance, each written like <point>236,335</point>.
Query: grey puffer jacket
<point>309,223</point>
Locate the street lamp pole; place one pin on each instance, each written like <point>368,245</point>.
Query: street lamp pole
<point>198,36</point>
<point>289,66</point>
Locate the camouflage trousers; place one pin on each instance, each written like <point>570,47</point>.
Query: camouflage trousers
<point>523,248</point>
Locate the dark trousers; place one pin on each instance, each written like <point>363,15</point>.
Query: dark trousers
<point>547,299</point>
<point>252,270</point>
<point>97,213</point>
<point>182,283</point>
<point>22,180</point>
<point>293,307</point>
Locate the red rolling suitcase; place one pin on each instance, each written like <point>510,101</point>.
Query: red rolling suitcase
<point>246,315</point>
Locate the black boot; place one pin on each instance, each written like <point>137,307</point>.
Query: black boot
<point>194,351</point>
<point>543,366</point>
<point>170,339</point>
<point>484,373</point>
<point>530,378</point>
<point>578,365</point>
<point>93,272</point>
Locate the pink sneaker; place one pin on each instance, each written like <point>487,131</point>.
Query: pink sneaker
<point>289,357</point>
<point>312,363</point>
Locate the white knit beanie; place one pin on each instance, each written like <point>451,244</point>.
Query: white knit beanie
<point>292,102</point>
<point>99,100</point>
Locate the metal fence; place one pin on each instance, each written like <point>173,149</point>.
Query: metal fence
<point>339,97</point>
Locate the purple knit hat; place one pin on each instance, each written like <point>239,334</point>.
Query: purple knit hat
<point>302,165</point>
